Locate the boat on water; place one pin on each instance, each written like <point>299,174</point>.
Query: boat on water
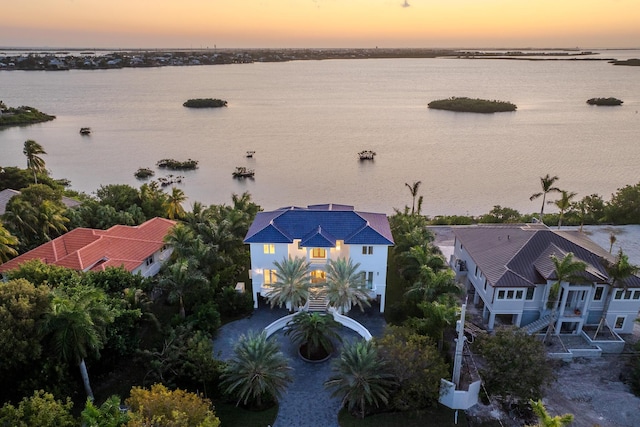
<point>250,154</point>
<point>366,155</point>
<point>242,172</point>
<point>85,131</point>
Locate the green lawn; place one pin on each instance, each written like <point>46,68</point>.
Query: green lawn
<point>231,416</point>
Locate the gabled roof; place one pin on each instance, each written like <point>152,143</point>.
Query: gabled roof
<point>320,226</point>
<point>520,255</point>
<point>86,249</point>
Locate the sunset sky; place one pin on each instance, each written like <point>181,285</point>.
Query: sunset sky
<point>320,23</point>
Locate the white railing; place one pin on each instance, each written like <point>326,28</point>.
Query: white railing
<point>351,324</point>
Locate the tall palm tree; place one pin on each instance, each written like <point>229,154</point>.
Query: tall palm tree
<point>76,326</point>
<point>418,258</point>
<point>181,279</point>
<point>566,269</point>
<point>258,372</point>
<point>51,220</point>
<point>174,203</point>
<point>345,285</point>
<point>413,188</point>
<point>430,285</point>
<point>618,272</point>
<point>7,240</point>
<point>547,187</point>
<point>361,378</point>
<point>180,238</point>
<point>292,283</point>
<point>35,163</point>
<point>563,203</point>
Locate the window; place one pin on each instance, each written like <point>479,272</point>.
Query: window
<point>619,322</point>
<point>269,248</point>
<point>367,250</point>
<point>149,260</point>
<point>636,295</point>
<point>597,296</point>
<point>627,294</point>
<point>270,278</point>
<point>509,294</point>
<point>619,293</point>
<point>500,294</point>
<point>370,280</point>
<point>519,294</point>
<point>318,253</point>
<point>338,245</point>
<point>163,248</point>
<point>485,285</point>
<point>530,293</point>
<point>476,273</point>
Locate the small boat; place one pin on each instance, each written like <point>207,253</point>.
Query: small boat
<point>250,154</point>
<point>242,172</point>
<point>366,155</point>
<point>85,131</point>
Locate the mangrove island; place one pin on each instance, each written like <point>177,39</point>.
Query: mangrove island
<point>468,105</point>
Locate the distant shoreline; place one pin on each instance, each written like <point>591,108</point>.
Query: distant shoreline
<point>72,59</point>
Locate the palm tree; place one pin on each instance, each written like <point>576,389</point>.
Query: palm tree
<point>7,240</point>
<point>612,240</point>
<point>437,316</point>
<point>181,279</point>
<point>547,187</point>
<point>76,326</point>
<point>174,203</point>
<point>35,163</point>
<point>564,203</point>
<point>51,220</point>
<point>430,284</point>
<point>258,372</point>
<point>418,258</point>
<point>565,270</point>
<point>617,271</point>
<point>314,333</point>
<point>292,285</point>
<point>181,239</point>
<point>345,285</point>
<point>413,188</point>
<point>546,420</point>
<point>361,378</point>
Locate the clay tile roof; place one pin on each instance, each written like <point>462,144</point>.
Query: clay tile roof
<point>86,249</point>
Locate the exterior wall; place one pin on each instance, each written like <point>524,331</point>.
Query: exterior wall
<point>623,310</point>
<point>374,262</point>
<point>150,269</point>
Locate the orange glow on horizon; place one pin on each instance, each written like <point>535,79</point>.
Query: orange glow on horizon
<point>322,23</point>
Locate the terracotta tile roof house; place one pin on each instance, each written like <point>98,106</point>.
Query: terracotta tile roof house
<point>139,249</point>
<point>508,271</point>
<point>320,233</point>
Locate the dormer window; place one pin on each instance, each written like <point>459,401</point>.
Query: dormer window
<point>149,260</point>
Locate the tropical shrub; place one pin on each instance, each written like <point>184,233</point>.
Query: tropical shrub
<point>314,333</point>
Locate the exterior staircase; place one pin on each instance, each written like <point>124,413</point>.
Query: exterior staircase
<point>539,324</point>
<point>317,304</point>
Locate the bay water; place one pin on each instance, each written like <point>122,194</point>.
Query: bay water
<point>307,120</point>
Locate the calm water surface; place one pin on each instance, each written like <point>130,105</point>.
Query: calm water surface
<point>307,120</point>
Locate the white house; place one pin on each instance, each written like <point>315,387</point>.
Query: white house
<point>508,271</point>
<point>320,233</point>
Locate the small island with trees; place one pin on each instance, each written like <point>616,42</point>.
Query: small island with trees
<point>468,105</point>
<point>177,165</point>
<point>205,103</point>
<point>605,101</point>
<point>20,116</point>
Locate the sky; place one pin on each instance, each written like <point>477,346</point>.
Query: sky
<point>320,23</point>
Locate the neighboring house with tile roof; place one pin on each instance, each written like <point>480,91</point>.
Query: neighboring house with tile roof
<point>7,194</point>
<point>139,249</point>
<point>508,271</point>
<point>320,233</point>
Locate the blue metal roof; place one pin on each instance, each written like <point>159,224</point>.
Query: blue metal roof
<point>320,225</point>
